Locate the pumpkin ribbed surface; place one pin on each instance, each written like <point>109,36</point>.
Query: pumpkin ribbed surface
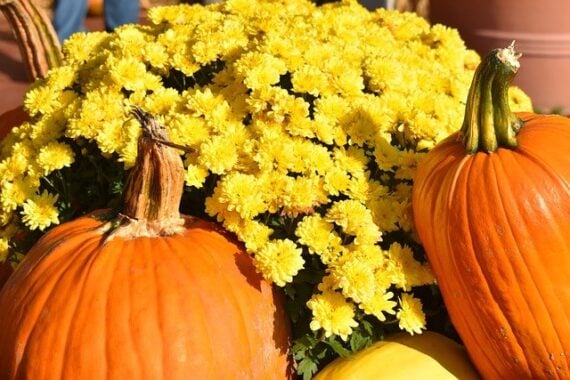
<point>491,207</point>
<point>499,245</point>
<point>146,308</point>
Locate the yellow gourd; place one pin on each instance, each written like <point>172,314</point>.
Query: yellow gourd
<point>402,356</point>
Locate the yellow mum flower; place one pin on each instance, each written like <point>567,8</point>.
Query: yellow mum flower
<point>195,175</point>
<point>156,55</point>
<point>18,163</point>
<point>187,130</point>
<point>386,212</point>
<point>410,315</point>
<point>355,220</point>
<point>353,160</point>
<point>161,101</point>
<point>337,181</point>
<point>16,192</point>
<point>332,313</point>
<point>130,40</point>
<point>255,234</point>
<point>128,73</point>
<point>319,237</point>
<point>311,80</point>
<point>55,156</point>
<point>201,102</point>
<point>47,129</point>
<point>301,195</point>
<point>61,77</point>
<point>4,249</point>
<point>519,101</point>
<point>279,261</point>
<point>110,137</point>
<point>80,47</point>
<point>379,305</point>
<point>40,212</point>
<point>241,193</point>
<point>356,279</point>
<point>41,100</point>
<point>217,155</point>
<point>260,70</point>
<point>404,270</point>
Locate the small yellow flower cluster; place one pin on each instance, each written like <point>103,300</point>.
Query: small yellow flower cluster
<point>311,121</point>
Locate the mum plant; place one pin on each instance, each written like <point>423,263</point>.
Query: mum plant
<point>301,128</point>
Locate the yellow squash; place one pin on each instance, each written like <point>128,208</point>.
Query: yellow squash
<point>402,356</point>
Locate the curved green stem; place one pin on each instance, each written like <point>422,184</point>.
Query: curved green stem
<point>489,122</point>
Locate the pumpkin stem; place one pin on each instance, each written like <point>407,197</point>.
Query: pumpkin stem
<point>152,195</point>
<point>489,122</point>
<point>35,35</point>
<point>156,181</point>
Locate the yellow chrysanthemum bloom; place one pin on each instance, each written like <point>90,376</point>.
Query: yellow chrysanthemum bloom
<point>410,315</point>
<point>4,248</point>
<point>332,313</point>
<point>405,271</point>
<point>16,192</point>
<point>317,234</point>
<point>279,261</point>
<point>54,156</point>
<point>39,211</point>
<point>355,220</point>
<point>379,305</point>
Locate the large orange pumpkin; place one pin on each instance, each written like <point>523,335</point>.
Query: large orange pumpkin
<point>492,209</point>
<point>148,294</point>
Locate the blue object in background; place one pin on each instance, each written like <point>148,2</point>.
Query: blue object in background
<point>69,15</point>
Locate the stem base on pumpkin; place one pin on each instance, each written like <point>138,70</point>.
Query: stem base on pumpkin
<point>128,228</point>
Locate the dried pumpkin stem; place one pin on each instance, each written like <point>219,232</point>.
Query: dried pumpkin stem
<point>35,35</point>
<point>156,181</point>
<point>489,122</point>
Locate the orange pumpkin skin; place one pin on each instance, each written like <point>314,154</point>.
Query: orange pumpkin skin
<point>11,119</point>
<point>5,272</point>
<point>95,8</point>
<point>496,229</point>
<point>178,307</point>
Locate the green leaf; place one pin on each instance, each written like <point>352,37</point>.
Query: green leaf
<point>307,368</point>
<point>359,341</point>
<point>338,347</point>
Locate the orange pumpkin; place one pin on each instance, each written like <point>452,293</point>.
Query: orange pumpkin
<point>5,272</point>
<point>148,294</point>
<point>10,119</point>
<point>95,8</point>
<point>491,207</point>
